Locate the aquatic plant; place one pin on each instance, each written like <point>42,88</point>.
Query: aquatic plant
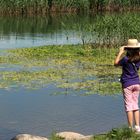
<point>71,67</point>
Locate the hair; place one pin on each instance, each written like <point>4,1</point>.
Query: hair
<point>133,55</point>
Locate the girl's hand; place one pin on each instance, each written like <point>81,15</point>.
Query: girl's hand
<point>119,56</point>
<point>122,50</point>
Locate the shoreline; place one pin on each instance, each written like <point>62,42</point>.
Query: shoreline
<point>123,133</point>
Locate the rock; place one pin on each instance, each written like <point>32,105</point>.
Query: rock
<point>28,137</point>
<point>73,136</point>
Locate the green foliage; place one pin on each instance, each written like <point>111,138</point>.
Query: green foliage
<point>109,29</point>
<point>21,3</point>
<point>123,133</point>
<point>48,51</point>
<point>73,3</point>
<point>23,6</point>
<point>55,137</point>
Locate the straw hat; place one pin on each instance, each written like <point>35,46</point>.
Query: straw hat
<point>132,43</point>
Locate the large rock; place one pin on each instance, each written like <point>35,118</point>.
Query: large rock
<point>28,137</point>
<point>73,136</point>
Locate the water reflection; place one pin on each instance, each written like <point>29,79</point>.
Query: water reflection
<point>37,40</point>
<point>16,32</point>
<point>109,29</point>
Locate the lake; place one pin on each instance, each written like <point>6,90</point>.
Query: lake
<point>39,111</point>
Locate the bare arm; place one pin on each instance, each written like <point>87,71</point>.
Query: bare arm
<point>119,56</point>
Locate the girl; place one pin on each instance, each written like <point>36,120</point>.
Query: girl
<point>130,80</point>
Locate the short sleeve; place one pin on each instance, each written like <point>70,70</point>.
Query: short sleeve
<point>122,61</point>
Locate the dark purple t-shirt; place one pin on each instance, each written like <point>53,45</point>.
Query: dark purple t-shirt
<point>129,73</point>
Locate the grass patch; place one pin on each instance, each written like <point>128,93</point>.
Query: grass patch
<point>55,137</point>
<point>123,133</point>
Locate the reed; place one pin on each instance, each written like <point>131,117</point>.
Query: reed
<point>23,6</point>
<point>43,6</point>
<point>109,29</point>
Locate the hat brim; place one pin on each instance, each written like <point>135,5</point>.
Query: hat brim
<point>133,47</point>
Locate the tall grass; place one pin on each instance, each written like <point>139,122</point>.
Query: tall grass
<point>23,6</point>
<point>79,4</point>
<point>109,29</point>
<point>42,6</point>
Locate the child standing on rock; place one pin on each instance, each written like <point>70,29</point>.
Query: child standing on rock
<point>129,58</point>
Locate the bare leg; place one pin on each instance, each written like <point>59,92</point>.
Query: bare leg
<point>136,117</point>
<point>130,118</point>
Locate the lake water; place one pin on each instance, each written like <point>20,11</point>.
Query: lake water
<point>38,111</point>
<point>17,32</point>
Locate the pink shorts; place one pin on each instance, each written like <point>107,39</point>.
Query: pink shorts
<point>131,95</point>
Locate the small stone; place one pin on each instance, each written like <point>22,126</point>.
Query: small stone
<point>28,137</point>
<point>73,136</point>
